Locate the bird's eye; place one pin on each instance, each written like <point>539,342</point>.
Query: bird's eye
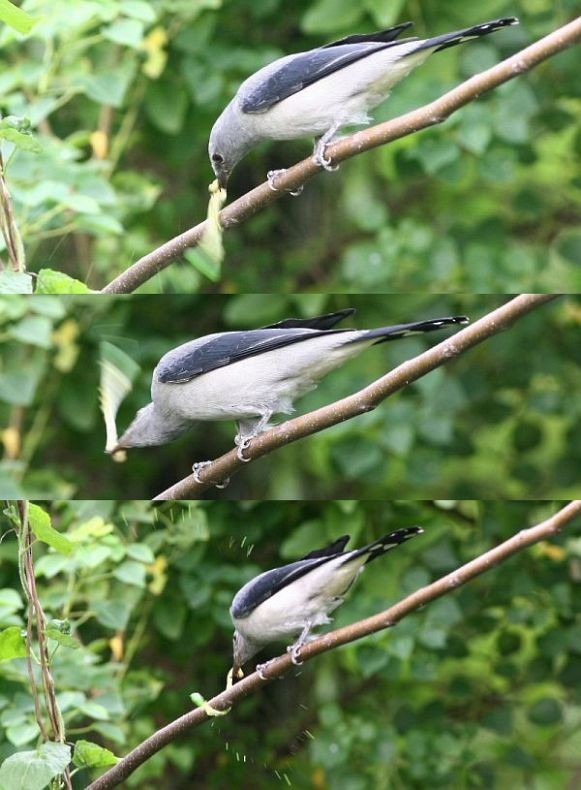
<point>218,158</point>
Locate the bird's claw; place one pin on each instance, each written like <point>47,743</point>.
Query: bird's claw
<point>273,174</point>
<point>260,669</point>
<point>242,444</point>
<point>295,653</point>
<point>197,468</point>
<point>324,161</point>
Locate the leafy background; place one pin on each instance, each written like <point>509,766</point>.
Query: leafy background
<point>480,689</point>
<point>501,421</point>
<point>121,95</point>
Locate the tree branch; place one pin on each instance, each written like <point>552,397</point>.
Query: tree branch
<point>365,400</point>
<point>341,636</point>
<point>422,118</point>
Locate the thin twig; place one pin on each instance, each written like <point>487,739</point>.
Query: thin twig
<point>8,226</point>
<point>23,512</point>
<point>434,113</point>
<point>34,605</point>
<point>365,400</point>
<point>341,636</point>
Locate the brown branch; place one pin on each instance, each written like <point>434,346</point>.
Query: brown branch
<point>422,118</point>
<point>365,400</point>
<point>341,636</point>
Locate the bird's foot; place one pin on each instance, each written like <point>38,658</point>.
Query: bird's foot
<point>260,668</point>
<point>272,175</point>
<point>197,468</point>
<point>323,161</point>
<point>241,445</point>
<point>295,654</point>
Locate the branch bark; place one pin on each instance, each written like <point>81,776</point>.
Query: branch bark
<point>365,400</point>
<point>422,118</point>
<point>341,636</point>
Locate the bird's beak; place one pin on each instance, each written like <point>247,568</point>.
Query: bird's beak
<point>223,176</point>
<point>236,672</point>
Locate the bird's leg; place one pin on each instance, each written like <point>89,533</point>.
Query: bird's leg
<point>295,649</point>
<point>243,438</point>
<point>197,468</point>
<point>320,146</point>
<point>272,175</point>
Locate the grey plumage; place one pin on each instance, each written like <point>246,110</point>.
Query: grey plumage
<point>289,601</point>
<point>317,92</point>
<point>248,376</point>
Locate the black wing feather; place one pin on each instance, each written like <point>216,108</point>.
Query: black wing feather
<point>326,321</point>
<point>389,34</point>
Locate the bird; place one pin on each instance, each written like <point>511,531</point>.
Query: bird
<point>288,602</point>
<point>249,375</point>
<point>317,92</point>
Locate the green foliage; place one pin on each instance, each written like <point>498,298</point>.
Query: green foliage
<point>501,421</point>
<point>108,108</point>
<point>480,688</point>
<point>34,770</point>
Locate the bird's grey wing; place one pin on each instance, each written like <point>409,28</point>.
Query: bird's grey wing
<point>184,364</point>
<point>389,34</point>
<point>267,584</point>
<point>327,321</point>
<point>301,70</point>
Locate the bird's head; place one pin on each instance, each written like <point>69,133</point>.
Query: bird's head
<point>243,650</point>
<point>229,142</point>
<point>150,427</point>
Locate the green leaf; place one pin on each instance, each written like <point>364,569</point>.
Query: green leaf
<point>50,281</point>
<point>131,572</point>
<point>33,770</point>
<point>90,755</point>
<point>127,32</point>
<point>204,264</point>
<point>20,734</point>
<point>95,710</point>
<point>16,17</point>
<point>113,614</point>
<point>15,283</point>
<point>10,599</point>
<point>35,330</point>
<point>63,639</point>
<point>546,711</point>
<point>141,552</point>
<point>12,643</point>
<point>44,531</point>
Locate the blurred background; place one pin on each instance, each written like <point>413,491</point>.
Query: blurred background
<point>122,96</point>
<point>502,420</point>
<point>478,689</point>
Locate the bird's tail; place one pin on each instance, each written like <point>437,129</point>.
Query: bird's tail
<point>386,543</point>
<point>385,333</point>
<point>460,36</point>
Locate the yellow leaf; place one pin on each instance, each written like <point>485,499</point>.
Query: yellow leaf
<point>556,553</point>
<point>99,143</point>
<point>11,442</point>
<point>153,45</point>
<point>67,350</point>
<point>158,570</point>
<point>117,646</point>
